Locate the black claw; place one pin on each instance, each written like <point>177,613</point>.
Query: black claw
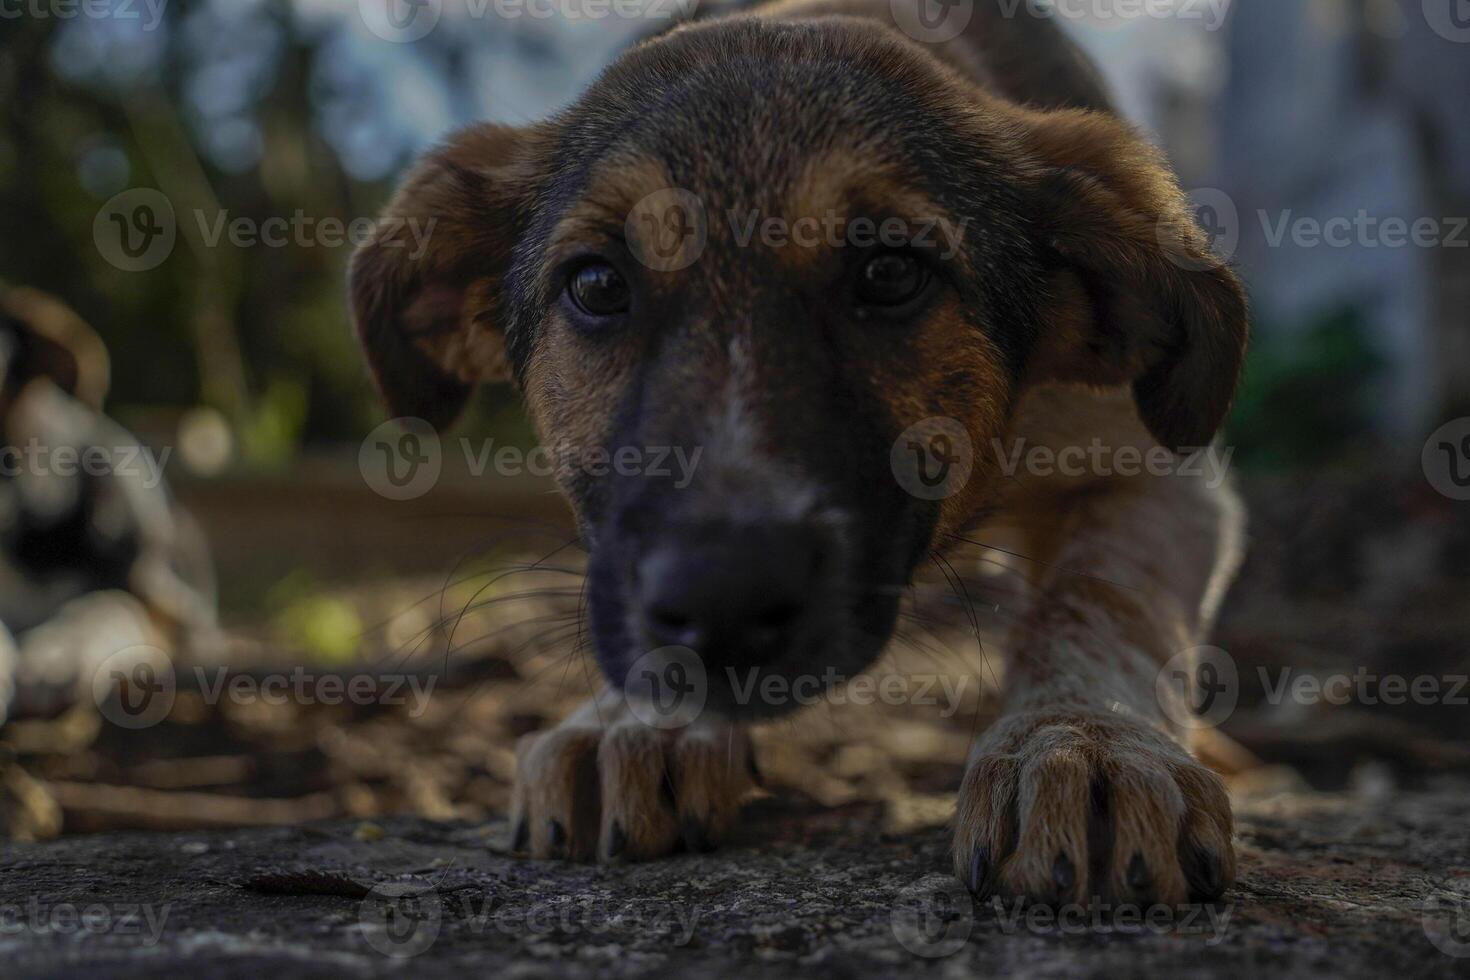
<point>980,872</point>
<point>521,836</point>
<point>1206,874</point>
<point>695,839</point>
<point>1063,873</point>
<point>617,840</point>
<point>1138,877</point>
<point>557,834</point>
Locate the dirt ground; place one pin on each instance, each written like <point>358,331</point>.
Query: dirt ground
<point>320,839</point>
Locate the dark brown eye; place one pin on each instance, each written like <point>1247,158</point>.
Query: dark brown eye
<point>891,279</point>
<point>599,290</point>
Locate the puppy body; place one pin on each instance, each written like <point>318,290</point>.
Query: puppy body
<point>1079,307</point>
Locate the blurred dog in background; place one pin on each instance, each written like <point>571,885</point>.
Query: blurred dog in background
<point>95,558</point>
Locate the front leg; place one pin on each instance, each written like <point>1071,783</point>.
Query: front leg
<point>1084,789</point>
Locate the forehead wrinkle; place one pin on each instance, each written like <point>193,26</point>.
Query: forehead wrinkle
<point>861,181</point>
<point>613,188</point>
<point>830,181</point>
<point>587,224</point>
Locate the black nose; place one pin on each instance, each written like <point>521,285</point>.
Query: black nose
<point>733,594</point>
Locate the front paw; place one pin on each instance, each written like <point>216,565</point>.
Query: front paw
<point>1072,806</point>
<point>605,785</point>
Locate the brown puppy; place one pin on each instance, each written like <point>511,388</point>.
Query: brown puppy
<point>970,236</point>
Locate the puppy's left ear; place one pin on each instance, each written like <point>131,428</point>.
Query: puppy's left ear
<point>427,289</point>
<point>1136,295</point>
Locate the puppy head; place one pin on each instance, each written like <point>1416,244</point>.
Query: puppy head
<point>736,273</point>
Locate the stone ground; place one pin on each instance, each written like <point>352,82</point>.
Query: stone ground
<point>1352,884</point>
<point>243,838</point>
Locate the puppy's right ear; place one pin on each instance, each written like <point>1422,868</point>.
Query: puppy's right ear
<point>426,289</point>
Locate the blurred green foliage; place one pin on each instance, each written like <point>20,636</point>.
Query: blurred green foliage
<point>260,334</point>
<point>1308,394</point>
<point>305,619</point>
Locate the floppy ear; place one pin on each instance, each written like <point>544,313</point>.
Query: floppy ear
<point>1137,297</point>
<point>426,289</point>
<point>46,339</point>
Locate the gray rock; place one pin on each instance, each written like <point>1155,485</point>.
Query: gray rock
<point>1327,886</point>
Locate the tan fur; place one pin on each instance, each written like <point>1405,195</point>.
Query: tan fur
<point>1143,347</point>
<point>705,768</point>
<point>1123,590</point>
